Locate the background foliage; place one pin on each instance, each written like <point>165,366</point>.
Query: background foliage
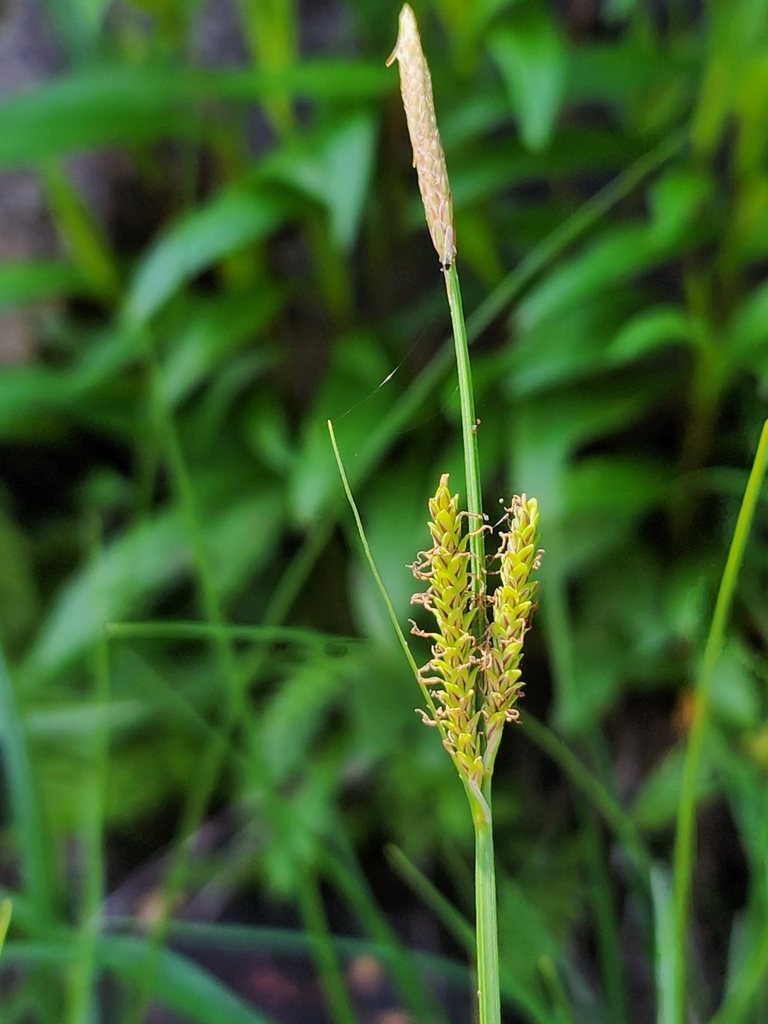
<point>228,251</point>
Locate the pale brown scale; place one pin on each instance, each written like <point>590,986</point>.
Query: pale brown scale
<point>428,155</point>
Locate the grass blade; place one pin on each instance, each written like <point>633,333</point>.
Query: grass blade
<point>329,969</point>
<point>25,808</point>
<point>6,909</point>
<point>621,824</point>
<point>685,841</point>
<point>178,983</point>
<point>204,631</point>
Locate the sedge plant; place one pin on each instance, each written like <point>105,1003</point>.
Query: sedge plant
<point>473,679</point>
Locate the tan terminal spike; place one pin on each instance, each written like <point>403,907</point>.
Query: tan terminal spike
<point>428,155</point>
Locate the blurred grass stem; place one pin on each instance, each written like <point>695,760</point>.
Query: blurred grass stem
<point>329,969</point>
<point>81,982</point>
<point>486,924</point>
<point>685,842</point>
<point>213,757</point>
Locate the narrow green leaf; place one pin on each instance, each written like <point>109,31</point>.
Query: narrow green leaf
<point>101,107</point>
<point>130,105</point>
<point>654,328</point>
<point>6,909</point>
<point>33,845</point>
<point>661,890</point>
<point>532,59</point>
<point>179,984</point>
<point>229,222</point>
<point>82,233</point>
<point>41,279</point>
<point>140,562</point>
<point>334,169</point>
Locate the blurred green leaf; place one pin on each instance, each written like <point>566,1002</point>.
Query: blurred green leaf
<point>146,558</point>
<point>130,105</point>
<point>82,233</point>
<point>6,910</point>
<point>322,79</point>
<point>334,169</point>
<point>578,349</point>
<point>489,168</point>
<point>297,712</point>
<point>29,393</point>
<point>31,835</point>
<point>656,805</point>
<point>179,984</point>
<point>664,938</point>
<point>602,497</point>
<point>748,332</point>
<point>42,279</point>
<point>653,328</point>
<point>613,259</point>
<point>212,330</point>
<point>229,222</point>
<point>80,722</point>
<point>677,200</point>
<point>101,107</point>
<point>524,937</point>
<point>350,395</point>
<point>734,698</point>
<point>242,538</point>
<point>19,599</point>
<point>532,59</point>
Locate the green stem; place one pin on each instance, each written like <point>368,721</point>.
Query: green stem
<point>486,927</point>
<point>605,919</point>
<point>84,973</point>
<point>686,814</point>
<point>331,977</point>
<point>469,427</point>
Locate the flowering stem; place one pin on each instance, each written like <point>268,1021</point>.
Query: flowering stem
<point>468,428</point>
<point>486,927</point>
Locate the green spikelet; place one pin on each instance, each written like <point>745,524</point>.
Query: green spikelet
<point>511,606</point>
<point>453,669</point>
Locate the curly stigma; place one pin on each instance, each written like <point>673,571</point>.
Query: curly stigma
<point>474,673</point>
<point>428,155</point>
